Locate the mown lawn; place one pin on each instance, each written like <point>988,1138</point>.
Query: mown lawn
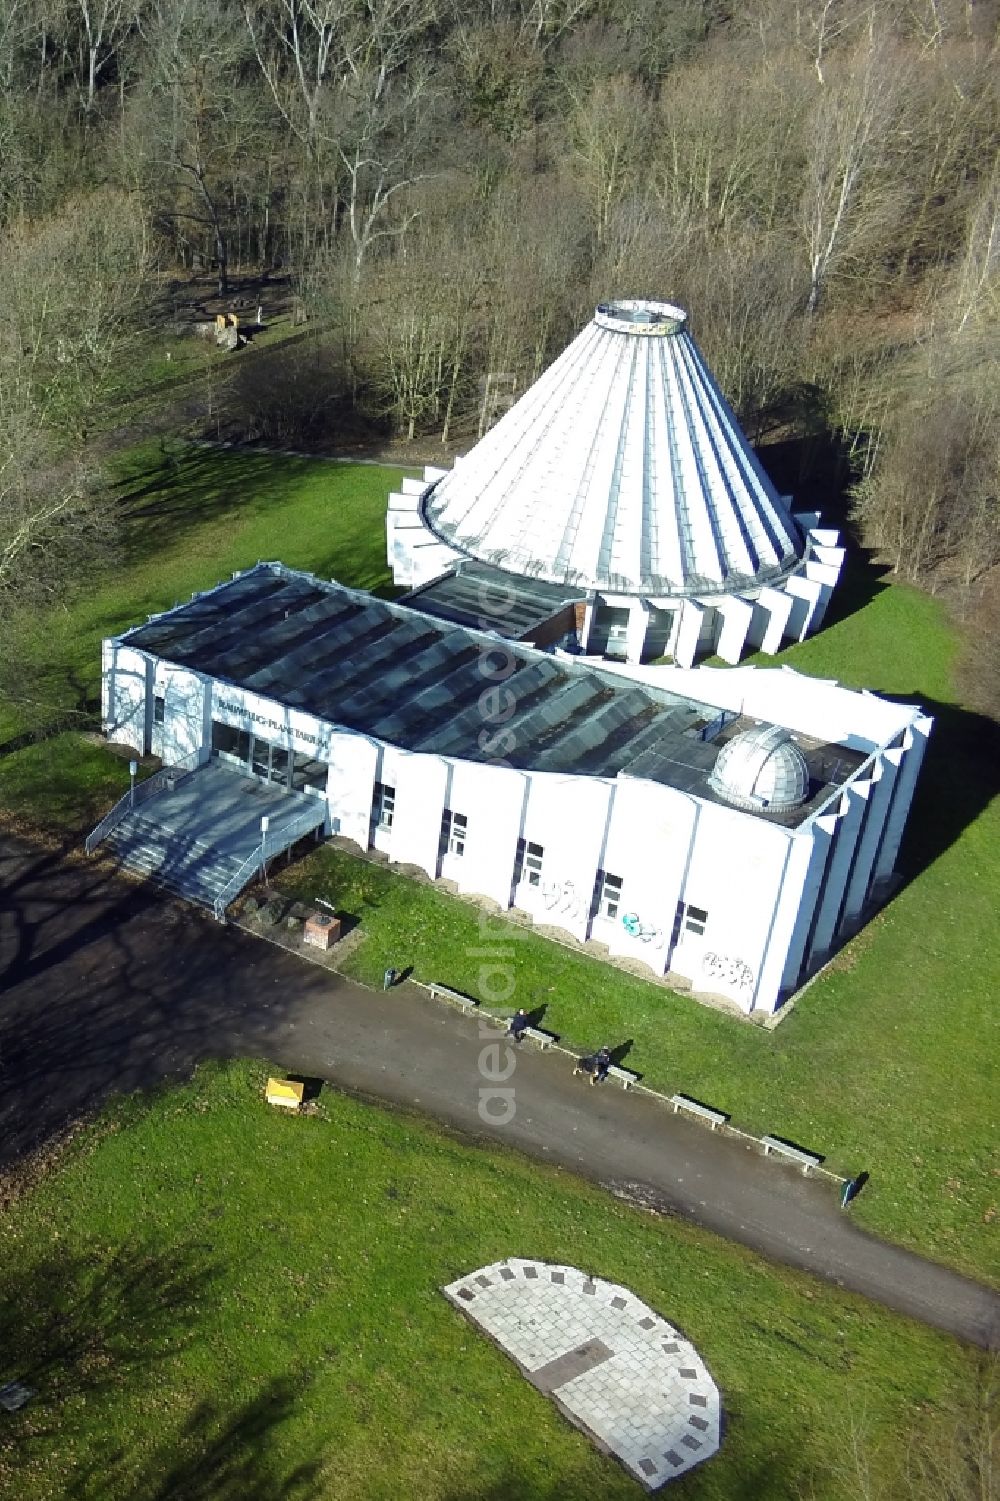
<point>887,1064</point>
<point>218,1302</point>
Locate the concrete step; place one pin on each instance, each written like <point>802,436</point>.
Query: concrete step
<point>190,870</point>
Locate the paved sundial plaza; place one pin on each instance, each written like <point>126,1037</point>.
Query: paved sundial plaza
<point>612,1365</point>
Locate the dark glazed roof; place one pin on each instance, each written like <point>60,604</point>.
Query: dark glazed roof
<point>489,600</point>
<point>414,681</point>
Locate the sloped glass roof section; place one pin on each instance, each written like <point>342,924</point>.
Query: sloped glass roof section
<point>623,469</point>
<point>418,682</point>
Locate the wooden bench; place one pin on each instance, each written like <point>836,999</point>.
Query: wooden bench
<point>786,1149</point>
<point>455,996</point>
<point>694,1107</point>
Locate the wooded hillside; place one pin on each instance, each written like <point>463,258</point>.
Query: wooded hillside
<point>449,186</point>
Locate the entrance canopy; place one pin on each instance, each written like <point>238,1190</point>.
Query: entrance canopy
<point>622,469</point>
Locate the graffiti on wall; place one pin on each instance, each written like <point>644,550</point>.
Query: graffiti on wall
<point>562,899</point>
<point>732,973</point>
<point>645,932</point>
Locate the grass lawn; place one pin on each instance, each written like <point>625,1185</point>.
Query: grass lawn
<point>218,1302</point>
<point>888,1062</point>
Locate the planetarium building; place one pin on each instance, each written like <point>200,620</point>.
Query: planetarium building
<point>504,726</point>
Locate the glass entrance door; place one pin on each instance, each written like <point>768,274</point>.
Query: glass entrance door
<point>256,756</point>
<point>260,760</point>
<point>279,765</point>
<point>270,762</point>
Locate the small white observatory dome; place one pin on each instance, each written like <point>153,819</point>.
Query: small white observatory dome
<point>762,769</point>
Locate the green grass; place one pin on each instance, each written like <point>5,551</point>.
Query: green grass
<point>887,1063</point>
<point>218,1302</point>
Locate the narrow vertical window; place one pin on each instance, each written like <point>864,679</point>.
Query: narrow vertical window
<point>609,894</point>
<point>384,805</point>
<point>454,831</point>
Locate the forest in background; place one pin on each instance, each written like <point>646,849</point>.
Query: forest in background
<point>449,186</point>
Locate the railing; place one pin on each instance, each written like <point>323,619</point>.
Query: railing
<point>269,846</point>
<point>140,794</point>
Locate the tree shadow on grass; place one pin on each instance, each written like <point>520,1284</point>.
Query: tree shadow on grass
<point>77,1325</point>
<point>216,1455</point>
<point>196,485</point>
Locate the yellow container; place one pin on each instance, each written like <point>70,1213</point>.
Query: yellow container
<point>286,1092</point>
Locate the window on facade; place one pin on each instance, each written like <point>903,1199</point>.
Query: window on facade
<point>529,862</point>
<point>690,919</point>
<point>158,708</point>
<point>384,804</point>
<point>454,831</point>
<point>609,894</point>
<point>308,773</point>
<point>227,741</point>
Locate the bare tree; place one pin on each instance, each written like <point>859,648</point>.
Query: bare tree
<point>73,290</point>
<point>104,25</point>
<point>848,200</point>
<point>610,131</point>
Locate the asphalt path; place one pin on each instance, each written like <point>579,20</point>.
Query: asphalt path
<point>107,986</point>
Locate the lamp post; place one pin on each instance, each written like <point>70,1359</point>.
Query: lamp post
<point>133,767</point>
<point>265,824</point>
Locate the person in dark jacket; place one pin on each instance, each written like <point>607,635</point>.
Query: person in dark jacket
<point>601,1065</point>
<point>518,1025</point>
<point>596,1066</point>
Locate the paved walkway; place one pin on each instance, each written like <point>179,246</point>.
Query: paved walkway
<point>108,986</point>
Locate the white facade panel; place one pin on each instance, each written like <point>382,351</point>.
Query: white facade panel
<point>351,784</point>
<point>186,713</point>
<point>493,799</point>
<point>650,837</point>
<point>803,854</point>
<point>879,802</point>
<point>821,836</point>
<point>850,812</point>
<point>737,615</point>
<point>735,874</point>
<point>421,784</point>
<point>915,746</point>
<point>126,695</point>
<point>688,636</point>
<point>568,817</point>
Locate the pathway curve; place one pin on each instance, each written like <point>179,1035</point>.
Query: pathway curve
<point>105,985</point>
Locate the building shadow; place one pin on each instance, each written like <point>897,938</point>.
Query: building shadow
<point>958,781</point>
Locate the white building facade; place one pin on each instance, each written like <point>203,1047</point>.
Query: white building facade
<point>597,801</point>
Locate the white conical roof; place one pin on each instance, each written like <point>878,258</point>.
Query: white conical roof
<point>622,469</point>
